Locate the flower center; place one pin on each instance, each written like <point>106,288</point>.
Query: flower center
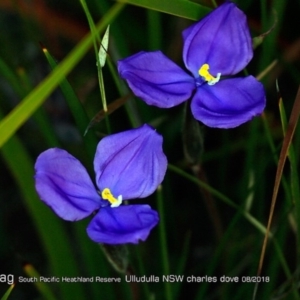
<point>211,80</point>
<point>107,195</point>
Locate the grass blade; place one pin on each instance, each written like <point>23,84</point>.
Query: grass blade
<point>21,166</point>
<point>179,8</point>
<point>282,158</point>
<point>28,106</point>
<point>6,295</point>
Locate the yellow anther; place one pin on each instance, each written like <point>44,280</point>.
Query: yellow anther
<point>107,195</point>
<point>203,71</point>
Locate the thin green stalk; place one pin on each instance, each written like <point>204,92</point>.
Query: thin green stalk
<point>217,255</point>
<point>120,42</point>
<point>185,9</point>
<point>76,108</point>
<point>97,44</point>
<point>130,108</point>
<point>214,3</point>
<point>21,167</point>
<point>21,86</point>
<point>282,235</point>
<point>7,293</point>
<point>268,135</point>
<point>94,262</point>
<point>247,215</point>
<point>182,262</point>
<point>30,103</point>
<point>163,242</point>
<point>293,161</point>
<point>103,97</point>
<point>294,186</point>
<point>142,270</point>
<point>43,288</point>
<point>268,17</point>
<point>222,197</point>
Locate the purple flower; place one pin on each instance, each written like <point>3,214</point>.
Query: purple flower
<point>128,165</point>
<point>218,45</point>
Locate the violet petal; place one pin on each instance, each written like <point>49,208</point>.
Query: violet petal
<point>229,103</point>
<point>156,79</point>
<point>221,39</point>
<point>130,163</point>
<point>64,184</point>
<point>124,224</point>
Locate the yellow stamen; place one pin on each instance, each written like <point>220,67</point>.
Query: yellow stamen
<point>107,195</point>
<point>203,71</point>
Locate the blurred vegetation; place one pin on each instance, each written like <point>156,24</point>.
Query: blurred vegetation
<point>213,212</point>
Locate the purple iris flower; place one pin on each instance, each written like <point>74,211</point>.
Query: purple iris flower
<point>218,45</point>
<point>128,165</point>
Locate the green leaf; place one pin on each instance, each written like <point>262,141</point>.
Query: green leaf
<point>104,47</point>
<point>49,227</point>
<point>7,293</point>
<point>180,8</point>
<point>76,108</point>
<point>43,288</point>
<point>28,106</point>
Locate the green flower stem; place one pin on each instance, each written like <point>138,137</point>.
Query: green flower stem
<point>163,243</point>
<point>97,44</point>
